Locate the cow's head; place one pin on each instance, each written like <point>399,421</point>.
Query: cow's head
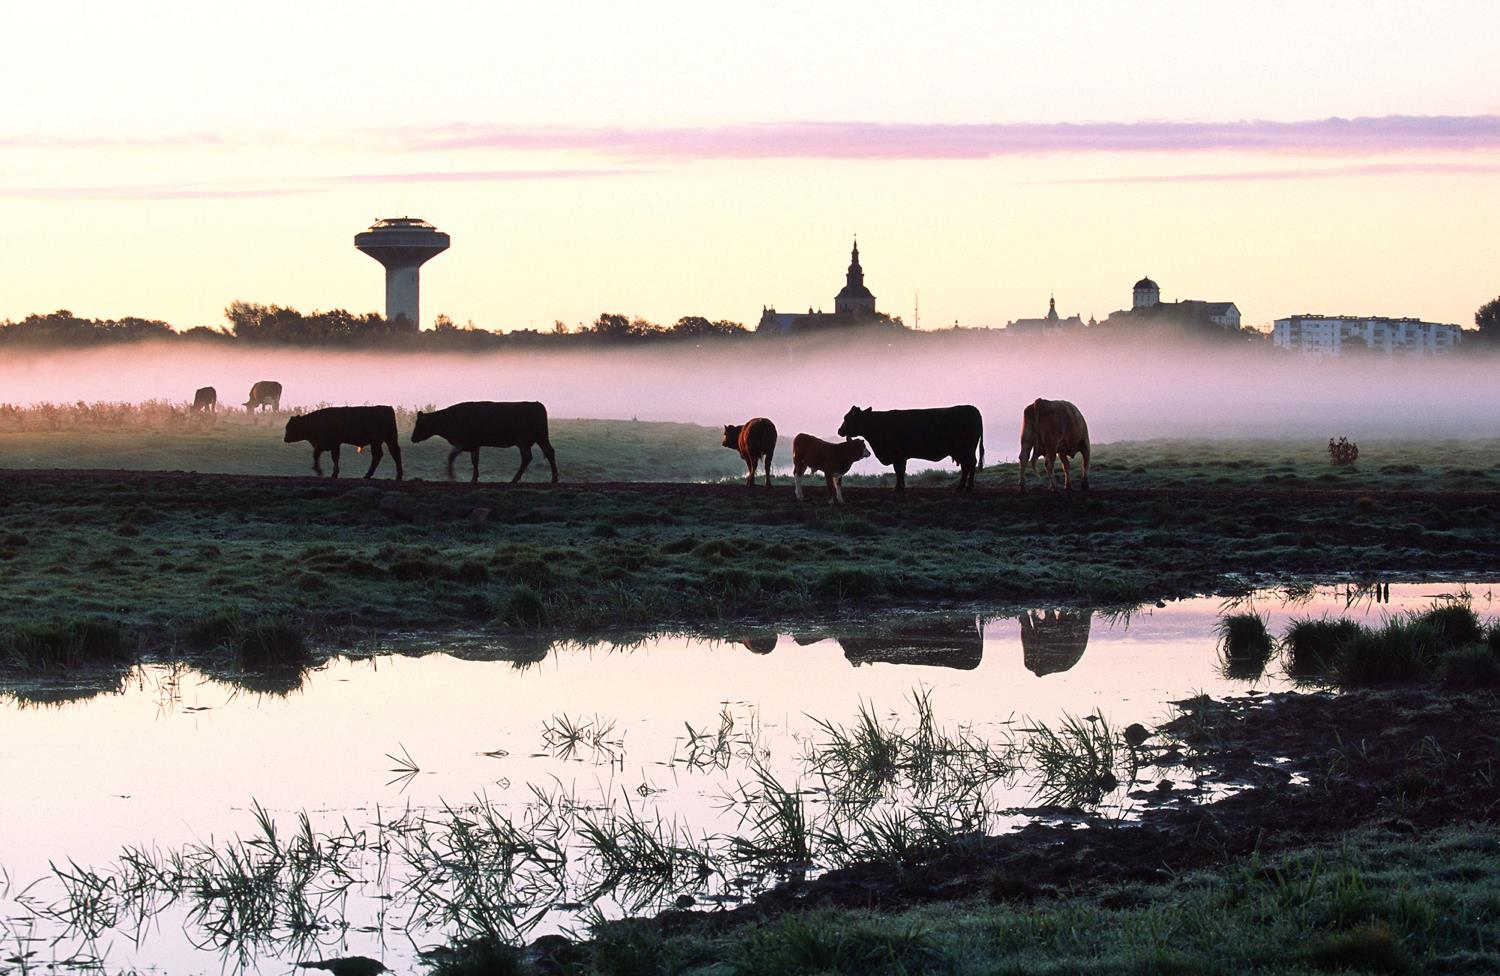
<point>864,449</point>
<point>732,435</point>
<point>294,429</point>
<point>422,429</point>
<point>854,422</point>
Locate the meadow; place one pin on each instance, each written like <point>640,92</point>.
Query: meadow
<point>171,534</point>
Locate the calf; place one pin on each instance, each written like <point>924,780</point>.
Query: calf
<point>266,393</point>
<point>363,427</point>
<point>754,439</point>
<point>1051,429</point>
<point>206,400</point>
<point>811,453</point>
<point>897,436</point>
<point>485,423</point>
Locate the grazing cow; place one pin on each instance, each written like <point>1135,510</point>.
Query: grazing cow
<point>754,439</point>
<point>266,393</point>
<point>326,429</point>
<point>1051,429</point>
<point>896,436</point>
<point>484,423</point>
<point>206,400</point>
<point>811,453</point>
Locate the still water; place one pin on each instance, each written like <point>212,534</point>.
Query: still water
<point>671,732</point>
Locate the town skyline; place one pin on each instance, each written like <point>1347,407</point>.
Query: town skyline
<point>1320,162</point>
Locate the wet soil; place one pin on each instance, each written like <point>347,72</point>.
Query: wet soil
<point>1308,768</point>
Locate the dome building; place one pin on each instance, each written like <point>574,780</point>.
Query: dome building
<point>853,305</point>
<point>1146,294</point>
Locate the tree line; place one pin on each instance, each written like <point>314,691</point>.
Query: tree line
<point>252,323</point>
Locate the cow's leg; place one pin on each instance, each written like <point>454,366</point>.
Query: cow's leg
<point>551,457</point>
<point>396,456</point>
<point>750,460</point>
<point>833,487</point>
<point>1051,469</point>
<point>474,455</point>
<point>333,452</point>
<point>525,462</point>
<point>768,468</point>
<point>1067,474</point>
<point>901,475</point>
<point>376,453</point>
<point>838,487</point>
<point>797,470</point>
<point>451,455</point>
<point>318,461</point>
<point>1083,485</point>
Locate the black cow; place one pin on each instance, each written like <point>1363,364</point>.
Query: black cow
<point>363,427</point>
<point>206,400</point>
<point>485,423</point>
<point>896,436</point>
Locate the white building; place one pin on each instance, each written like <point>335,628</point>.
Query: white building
<point>1330,335</point>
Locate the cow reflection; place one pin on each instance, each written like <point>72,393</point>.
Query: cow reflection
<point>1053,640</point>
<point>942,643</point>
<point>759,643</point>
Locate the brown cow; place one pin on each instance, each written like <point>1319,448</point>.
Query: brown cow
<point>754,439</point>
<point>265,393</point>
<point>1051,429</point>
<point>811,453</point>
<point>206,400</point>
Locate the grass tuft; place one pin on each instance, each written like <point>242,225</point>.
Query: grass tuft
<point>61,644</point>
<point>1312,645</point>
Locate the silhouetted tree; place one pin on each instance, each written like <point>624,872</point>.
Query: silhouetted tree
<point>697,325</point>
<point>1488,320</point>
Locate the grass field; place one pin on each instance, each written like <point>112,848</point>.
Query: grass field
<point>157,554</point>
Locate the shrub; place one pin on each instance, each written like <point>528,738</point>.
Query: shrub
<point>1402,650</point>
<point>525,608</point>
<point>61,643</point>
<point>1312,645</point>
<point>1455,623</point>
<point>1474,666</point>
<point>848,583</point>
<point>1342,452</point>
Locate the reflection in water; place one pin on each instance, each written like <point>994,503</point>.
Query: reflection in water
<point>942,642</point>
<point>760,643</point>
<point>1054,640</point>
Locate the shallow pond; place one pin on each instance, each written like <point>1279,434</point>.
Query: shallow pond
<point>565,777</point>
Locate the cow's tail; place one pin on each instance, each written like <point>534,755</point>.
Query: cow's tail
<point>981,442</point>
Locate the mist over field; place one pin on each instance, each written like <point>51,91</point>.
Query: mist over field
<point>1127,391</point>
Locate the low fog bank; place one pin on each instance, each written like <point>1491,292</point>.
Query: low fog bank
<point>1134,391</point>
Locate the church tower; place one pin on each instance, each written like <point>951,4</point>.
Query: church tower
<point>854,300</point>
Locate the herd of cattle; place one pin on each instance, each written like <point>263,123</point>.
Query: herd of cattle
<point>1050,430</point>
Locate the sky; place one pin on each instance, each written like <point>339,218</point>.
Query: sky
<point>663,159</point>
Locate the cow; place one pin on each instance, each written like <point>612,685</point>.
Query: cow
<point>326,429</point>
<point>262,394</point>
<point>206,400</point>
<point>896,436</point>
<point>754,439</point>
<point>485,423</point>
<point>1051,429</point>
<point>811,453</point>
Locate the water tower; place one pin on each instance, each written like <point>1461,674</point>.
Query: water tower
<point>402,244</point>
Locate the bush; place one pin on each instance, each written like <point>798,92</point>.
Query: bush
<point>1455,623</point>
<point>1474,666</point>
<point>525,608</point>
<point>1342,452</point>
<point>1402,650</point>
<point>61,644</point>
<point>848,583</point>
<point>1313,645</point>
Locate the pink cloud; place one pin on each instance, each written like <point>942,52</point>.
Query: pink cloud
<point>231,190</point>
<point>869,140</point>
<point>1297,173</point>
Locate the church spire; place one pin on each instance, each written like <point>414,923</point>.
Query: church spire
<point>856,276</point>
